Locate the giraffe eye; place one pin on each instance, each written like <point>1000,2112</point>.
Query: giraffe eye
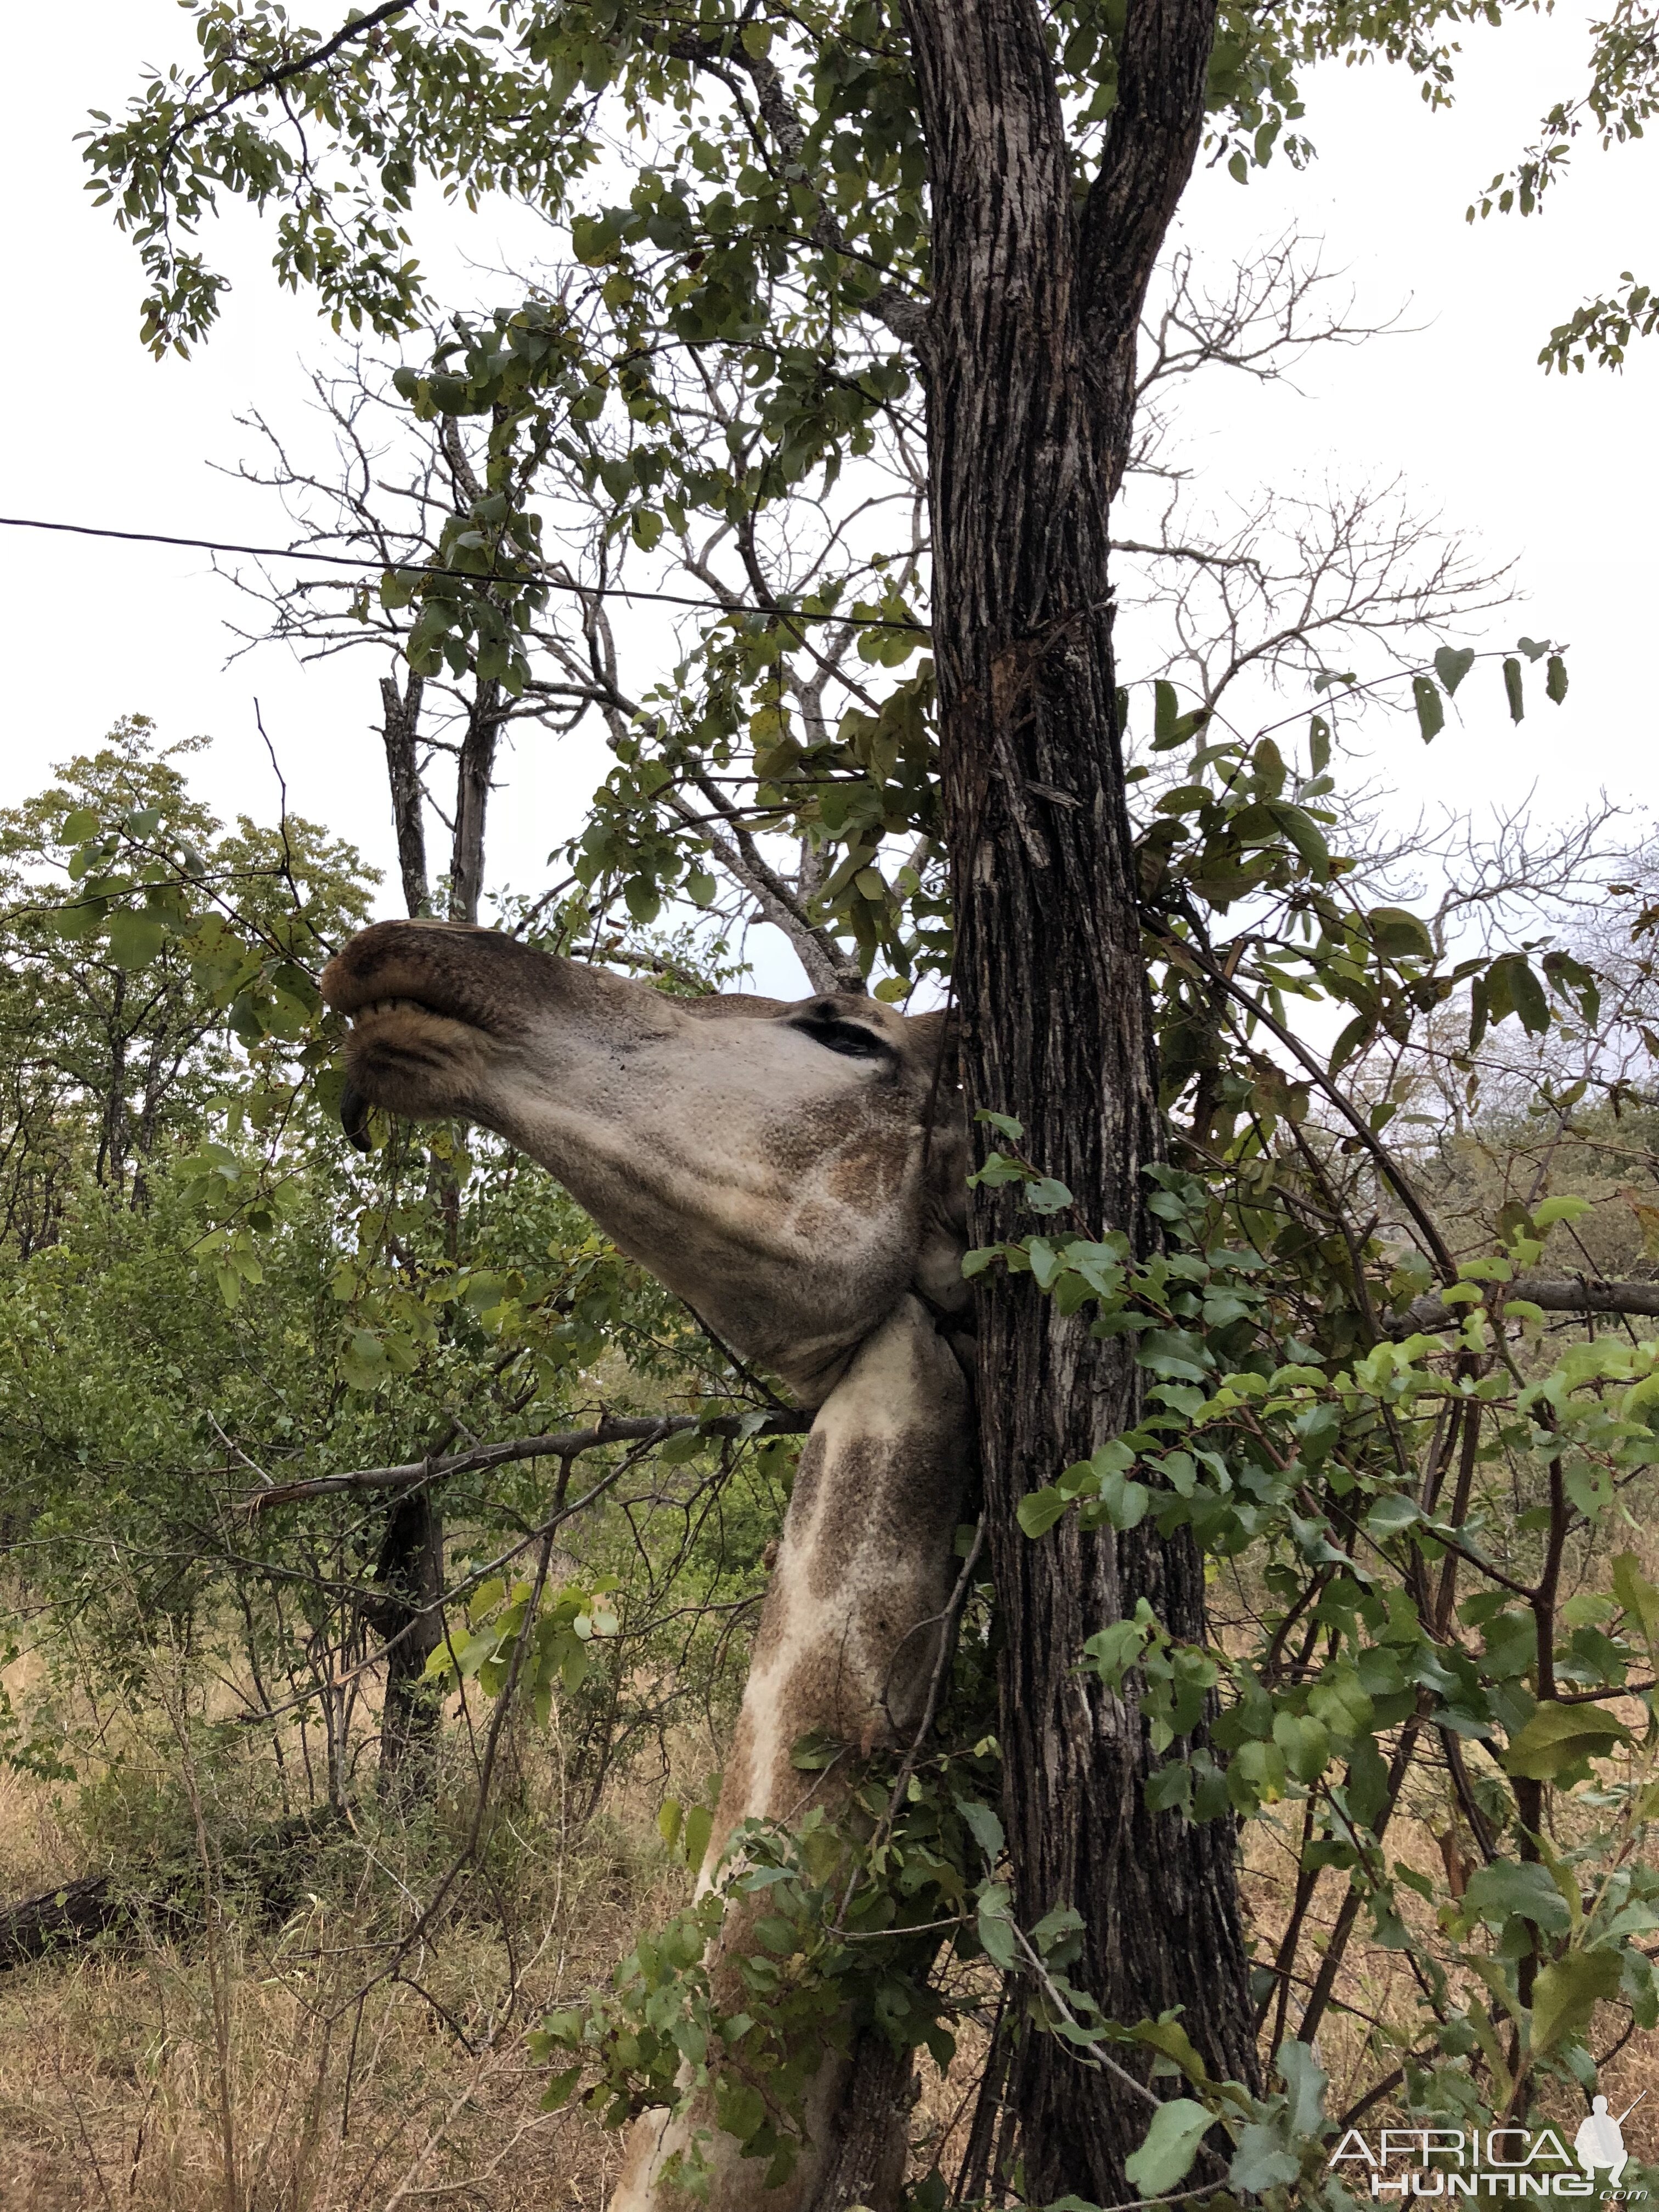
<point>851,1039</point>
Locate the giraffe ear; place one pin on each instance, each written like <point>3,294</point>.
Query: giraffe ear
<point>935,1039</point>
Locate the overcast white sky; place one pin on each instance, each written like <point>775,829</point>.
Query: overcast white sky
<point>1561,474</point>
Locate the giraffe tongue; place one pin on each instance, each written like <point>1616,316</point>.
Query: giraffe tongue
<point>354,1116</point>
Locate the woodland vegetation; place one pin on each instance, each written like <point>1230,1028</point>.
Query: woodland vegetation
<point>382,1547</point>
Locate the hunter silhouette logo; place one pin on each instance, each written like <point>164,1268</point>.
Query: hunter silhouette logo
<point>1451,2162</point>
<point>1600,2141</point>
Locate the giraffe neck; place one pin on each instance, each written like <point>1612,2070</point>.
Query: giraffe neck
<point>851,1629</point>
<point>848,1644</point>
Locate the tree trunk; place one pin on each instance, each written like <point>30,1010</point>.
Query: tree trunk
<point>1034,311</point>
<point>402,712</point>
<point>472,774</point>
<point>410,1570</point>
<point>112,1133</point>
<point>411,1574</point>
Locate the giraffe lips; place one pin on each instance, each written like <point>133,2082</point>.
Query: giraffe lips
<point>358,1015</point>
<point>375,1014</point>
<point>354,1116</point>
<point>405,1055</point>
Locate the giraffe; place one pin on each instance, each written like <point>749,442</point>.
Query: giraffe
<point>796,1171</point>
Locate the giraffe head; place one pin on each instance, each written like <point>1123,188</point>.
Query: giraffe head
<point>790,1168</point>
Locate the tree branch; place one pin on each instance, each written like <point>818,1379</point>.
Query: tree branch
<point>358,29</point>
<point>1151,140</point>
<point>904,315</point>
<point>609,1429</point>
<point>829,966</point>
<point>1577,1294</point>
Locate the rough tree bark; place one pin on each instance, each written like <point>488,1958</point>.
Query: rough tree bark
<point>473,772</point>
<point>1029,365</point>
<point>409,1572</point>
<point>409,1577</point>
<point>399,729</point>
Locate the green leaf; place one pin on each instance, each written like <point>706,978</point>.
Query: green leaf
<point>1169,2038</point>
<point>1172,2145</point>
<point>1306,1744</point>
<point>1171,727</point>
<point>558,2090</point>
<point>1559,1209</point>
<point>983,1826</point>
<point>78,826</point>
<point>1004,1124</point>
<point>1039,1509</point>
<point>1638,1595</point>
<point>699,1826</point>
<point>1356,1033</point>
<point>1555,680</point>
<point>1262,2161</point>
<point>1452,667</point>
<point>1530,1001</point>
<point>1046,1195</point>
<point>643,902</point>
<point>135,937</point>
<point>1172,1353</point>
<point>1399,933</point>
<point>1568,1992</point>
<point>1512,689</point>
<point>1308,838</point>
<point>1559,1738</point>
<point>1124,1502</point>
<point>1307,2081</point>
<point>1390,1514</point>
<point>1170,1788</point>
<point>1112,1650</point>
<point>996,1930</point>
<point>1504,1889</point>
<point>1431,714</point>
<point>1511,985</point>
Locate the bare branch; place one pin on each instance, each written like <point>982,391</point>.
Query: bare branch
<point>1580,1294</point>
<point>563,1444</point>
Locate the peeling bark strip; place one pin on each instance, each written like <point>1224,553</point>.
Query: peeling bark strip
<point>1029,361</point>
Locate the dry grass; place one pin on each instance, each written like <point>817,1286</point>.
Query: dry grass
<point>250,2067</point>
<point>127,2083</point>
<point>238,2065</point>
<point>247,2067</point>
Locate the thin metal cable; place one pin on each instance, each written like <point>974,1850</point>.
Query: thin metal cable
<point>465,575</point>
